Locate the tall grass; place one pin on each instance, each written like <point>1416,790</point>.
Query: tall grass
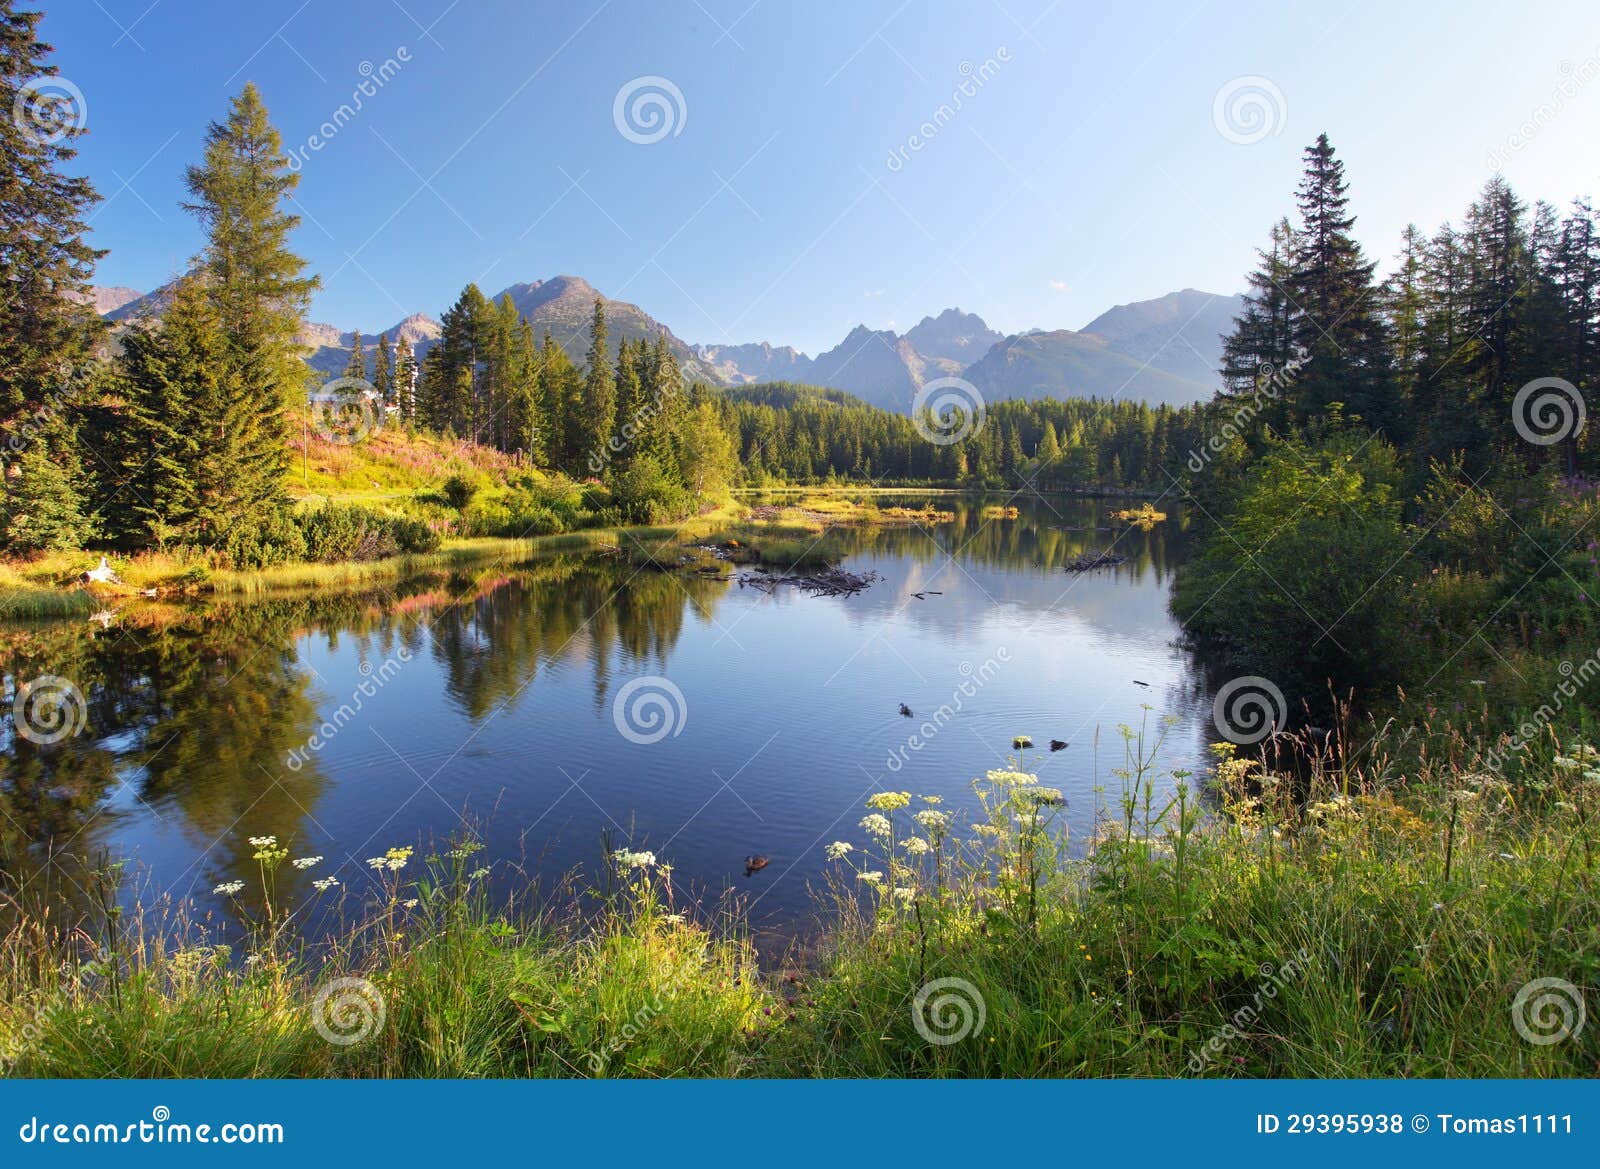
<point>1334,922</point>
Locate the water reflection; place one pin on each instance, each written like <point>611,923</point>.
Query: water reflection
<point>347,723</point>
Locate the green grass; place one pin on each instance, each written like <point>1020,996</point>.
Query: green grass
<point>1373,923</point>
<point>25,602</point>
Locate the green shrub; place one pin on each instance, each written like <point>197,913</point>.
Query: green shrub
<point>459,491</point>
<point>276,538</point>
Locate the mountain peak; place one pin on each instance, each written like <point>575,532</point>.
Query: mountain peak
<point>953,335</point>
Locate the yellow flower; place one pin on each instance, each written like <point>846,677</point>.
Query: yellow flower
<point>889,801</point>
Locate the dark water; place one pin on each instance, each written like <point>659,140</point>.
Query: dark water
<point>499,700</point>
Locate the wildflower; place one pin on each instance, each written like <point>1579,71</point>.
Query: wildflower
<point>903,894</point>
<point>889,801</point>
<point>476,873</point>
<point>917,846</point>
<point>1463,796</point>
<point>1021,743</point>
<point>409,904</point>
<point>931,799</point>
<point>871,877</point>
<point>876,825</point>
<point>263,841</point>
<point>252,959</point>
<point>228,888</point>
<point>633,860</point>
<point>838,849</point>
<point>325,884</point>
<point>673,919</point>
<point>933,822</point>
<point>1011,778</point>
<point>305,862</point>
<point>394,860</point>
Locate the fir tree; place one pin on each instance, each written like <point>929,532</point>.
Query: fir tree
<point>599,417</point>
<point>45,265</point>
<point>259,291</point>
<point>356,367</point>
<point>1336,321</point>
<point>383,371</point>
<point>405,378</point>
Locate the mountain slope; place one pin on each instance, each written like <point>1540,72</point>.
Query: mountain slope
<point>565,306</point>
<point>1180,333</point>
<point>1064,364</point>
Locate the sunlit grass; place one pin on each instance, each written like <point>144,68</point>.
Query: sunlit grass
<point>1343,923</point>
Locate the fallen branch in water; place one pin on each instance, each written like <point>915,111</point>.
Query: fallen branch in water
<point>1085,561</point>
<point>833,582</point>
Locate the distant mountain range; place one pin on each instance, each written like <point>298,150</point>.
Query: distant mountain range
<point>1161,351</point>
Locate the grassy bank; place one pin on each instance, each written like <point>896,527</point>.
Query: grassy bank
<point>787,536</point>
<point>1373,923</point>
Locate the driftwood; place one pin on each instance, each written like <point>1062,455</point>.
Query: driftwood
<point>1085,561</point>
<point>833,582</point>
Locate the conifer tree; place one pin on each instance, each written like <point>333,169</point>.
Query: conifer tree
<point>405,378</point>
<point>599,416</point>
<point>1336,311</point>
<point>47,332</point>
<point>356,366</point>
<point>260,293</point>
<point>383,371</point>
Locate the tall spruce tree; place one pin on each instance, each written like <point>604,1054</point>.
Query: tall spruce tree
<point>599,417</point>
<point>46,330</point>
<point>356,365</point>
<point>257,285</point>
<point>405,378</point>
<point>1337,310</point>
<point>383,371</point>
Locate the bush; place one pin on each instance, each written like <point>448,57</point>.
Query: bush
<point>459,491</point>
<point>414,535</point>
<point>646,494</point>
<point>276,538</point>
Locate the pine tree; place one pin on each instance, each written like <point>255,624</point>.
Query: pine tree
<point>356,367</point>
<point>45,265</point>
<point>194,453</point>
<point>599,388</point>
<point>43,506</point>
<point>383,371</point>
<point>1262,341</point>
<point>47,332</point>
<point>1336,320</point>
<point>405,379</point>
<point>259,291</point>
<point>634,421</point>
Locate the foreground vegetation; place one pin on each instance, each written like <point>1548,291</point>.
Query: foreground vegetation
<point>1367,923</point>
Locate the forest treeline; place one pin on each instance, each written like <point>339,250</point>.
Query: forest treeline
<point>1397,484</point>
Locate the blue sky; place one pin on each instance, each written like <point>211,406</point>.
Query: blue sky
<point>1084,167</point>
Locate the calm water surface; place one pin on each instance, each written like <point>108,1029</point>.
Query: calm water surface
<point>541,706</point>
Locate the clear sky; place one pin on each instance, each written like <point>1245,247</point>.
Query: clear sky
<point>1084,167</point>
